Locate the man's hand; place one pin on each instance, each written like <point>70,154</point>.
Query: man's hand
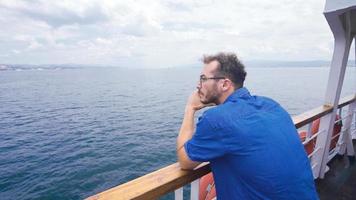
<point>194,102</point>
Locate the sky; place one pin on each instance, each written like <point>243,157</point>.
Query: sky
<point>161,33</point>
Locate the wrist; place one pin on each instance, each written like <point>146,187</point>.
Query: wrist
<point>190,109</point>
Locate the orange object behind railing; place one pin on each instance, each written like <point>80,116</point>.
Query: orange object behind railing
<point>309,147</point>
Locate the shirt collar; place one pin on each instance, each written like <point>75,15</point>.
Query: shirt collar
<point>237,94</point>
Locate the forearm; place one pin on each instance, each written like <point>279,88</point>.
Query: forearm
<point>187,128</point>
<point>186,132</point>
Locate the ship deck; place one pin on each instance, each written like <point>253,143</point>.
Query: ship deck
<point>340,181</point>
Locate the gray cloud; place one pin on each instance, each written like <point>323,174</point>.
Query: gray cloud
<point>177,6</point>
<point>139,26</point>
<point>59,16</point>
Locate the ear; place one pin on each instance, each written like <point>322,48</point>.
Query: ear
<point>226,85</point>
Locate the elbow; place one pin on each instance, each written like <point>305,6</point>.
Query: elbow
<point>185,166</point>
<point>184,162</point>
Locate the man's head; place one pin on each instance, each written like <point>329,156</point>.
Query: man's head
<point>222,74</point>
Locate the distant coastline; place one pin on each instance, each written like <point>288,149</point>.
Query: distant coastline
<point>21,67</point>
<point>276,63</point>
<point>252,63</point>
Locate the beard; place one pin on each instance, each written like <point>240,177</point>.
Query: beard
<point>210,96</point>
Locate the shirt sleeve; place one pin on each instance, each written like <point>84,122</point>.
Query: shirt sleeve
<point>206,143</point>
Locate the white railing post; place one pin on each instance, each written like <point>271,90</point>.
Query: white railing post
<point>345,141</point>
<point>321,140</point>
<point>194,190</point>
<point>347,125</point>
<point>178,194</point>
<point>341,27</point>
<point>353,132</point>
<point>309,130</point>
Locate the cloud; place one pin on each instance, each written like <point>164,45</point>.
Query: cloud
<point>34,45</point>
<point>191,26</point>
<point>177,6</point>
<point>161,33</point>
<point>15,51</point>
<point>58,14</point>
<point>140,26</point>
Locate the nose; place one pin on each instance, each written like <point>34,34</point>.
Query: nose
<point>199,85</point>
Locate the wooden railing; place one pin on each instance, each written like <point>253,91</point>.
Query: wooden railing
<point>155,184</point>
<point>172,177</point>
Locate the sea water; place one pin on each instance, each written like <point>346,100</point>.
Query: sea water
<point>71,133</point>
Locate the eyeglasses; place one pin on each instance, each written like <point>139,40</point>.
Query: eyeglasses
<point>203,78</point>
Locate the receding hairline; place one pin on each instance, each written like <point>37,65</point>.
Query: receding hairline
<point>210,58</point>
<point>216,67</point>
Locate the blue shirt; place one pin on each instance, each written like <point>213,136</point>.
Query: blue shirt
<point>254,150</point>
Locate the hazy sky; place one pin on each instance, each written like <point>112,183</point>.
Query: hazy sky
<point>161,33</point>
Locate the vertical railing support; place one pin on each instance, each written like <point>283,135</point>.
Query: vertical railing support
<point>194,190</point>
<point>317,158</point>
<point>341,27</point>
<point>347,125</point>
<point>178,194</point>
<point>309,130</point>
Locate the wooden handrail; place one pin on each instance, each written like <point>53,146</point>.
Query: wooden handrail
<point>155,184</point>
<point>316,113</point>
<point>311,115</point>
<point>346,100</point>
<point>172,177</point>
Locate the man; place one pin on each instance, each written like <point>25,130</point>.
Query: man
<point>250,141</point>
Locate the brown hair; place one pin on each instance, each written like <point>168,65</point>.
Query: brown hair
<point>229,66</point>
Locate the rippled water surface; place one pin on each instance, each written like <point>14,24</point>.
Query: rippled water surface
<point>71,133</point>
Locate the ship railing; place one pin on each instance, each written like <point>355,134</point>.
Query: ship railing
<point>172,178</point>
<point>347,130</point>
<point>322,152</point>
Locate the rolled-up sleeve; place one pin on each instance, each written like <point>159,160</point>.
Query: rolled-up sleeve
<point>206,143</point>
